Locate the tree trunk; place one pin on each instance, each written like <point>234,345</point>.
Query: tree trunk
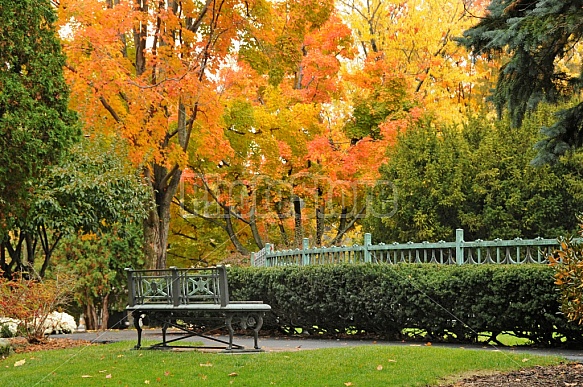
<point>164,184</point>
<point>254,230</point>
<point>344,225</point>
<point>105,312</point>
<point>319,225</point>
<point>299,231</point>
<point>90,315</point>
<point>319,218</point>
<point>231,232</point>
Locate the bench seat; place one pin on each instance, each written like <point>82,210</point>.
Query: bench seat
<point>238,307</point>
<point>181,298</point>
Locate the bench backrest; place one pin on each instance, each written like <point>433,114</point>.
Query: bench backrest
<point>176,287</point>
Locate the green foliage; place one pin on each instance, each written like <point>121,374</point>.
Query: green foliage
<point>541,39</point>
<point>479,178</point>
<point>93,189</point>
<point>5,332</point>
<point>385,101</point>
<point>97,261</point>
<point>428,167</point>
<point>36,125</point>
<point>452,303</point>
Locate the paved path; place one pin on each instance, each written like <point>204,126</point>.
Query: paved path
<point>273,344</point>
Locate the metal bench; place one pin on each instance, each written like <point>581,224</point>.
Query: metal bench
<point>188,299</point>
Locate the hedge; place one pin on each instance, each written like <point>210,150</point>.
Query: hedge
<point>442,303</point>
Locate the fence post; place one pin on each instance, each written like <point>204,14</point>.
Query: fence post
<point>175,286</point>
<point>305,256</point>
<point>253,259</point>
<point>367,242</point>
<point>267,249</point>
<point>131,287</point>
<point>459,249</point>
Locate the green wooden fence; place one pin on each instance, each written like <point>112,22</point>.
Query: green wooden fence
<point>497,251</point>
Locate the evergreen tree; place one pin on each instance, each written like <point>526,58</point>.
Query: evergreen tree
<point>541,38</point>
<point>35,122</point>
<point>478,178</point>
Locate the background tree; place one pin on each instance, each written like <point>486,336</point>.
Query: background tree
<point>478,178</point>
<point>36,125</point>
<point>91,190</point>
<point>415,39</point>
<point>97,262</point>
<point>141,68</point>
<point>308,134</point>
<point>271,188</point>
<point>542,40</point>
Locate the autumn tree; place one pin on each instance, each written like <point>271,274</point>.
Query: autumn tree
<point>269,188</point>
<point>36,125</point>
<point>415,39</point>
<point>142,68</point>
<point>543,42</point>
<point>293,173</point>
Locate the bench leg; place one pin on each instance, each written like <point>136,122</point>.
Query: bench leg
<point>256,329</point>
<point>229,324</point>
<point>137,324</point>
<point>164,329</point>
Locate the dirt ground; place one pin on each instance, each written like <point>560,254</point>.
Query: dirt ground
<point>20,344</point>
<point>563,375</point>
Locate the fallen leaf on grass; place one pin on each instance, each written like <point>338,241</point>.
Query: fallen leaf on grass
<point>233,374</point>
<point>392,361</point>
<point>19,363</point>
<point>166,373</point>
<point>348,384</point>
<point>108,376</point>
<point>86,376</point>
<point>146,382</point>
<point>428,344</point>
<point>120,355</point>
<point>207,364</point>
<point>525,360</point>
<point>379,367</point>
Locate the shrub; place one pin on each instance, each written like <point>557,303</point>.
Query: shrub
<point>442,303</point>
<point>32,301</point>
<point>568,264</point>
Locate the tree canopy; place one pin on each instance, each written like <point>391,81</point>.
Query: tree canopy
<point>478,178</point>
<point>36,125</point>
<point>541,40</point>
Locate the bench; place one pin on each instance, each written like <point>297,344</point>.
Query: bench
<point>188,299</point>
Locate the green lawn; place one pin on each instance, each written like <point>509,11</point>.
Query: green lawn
<point>118,365</point>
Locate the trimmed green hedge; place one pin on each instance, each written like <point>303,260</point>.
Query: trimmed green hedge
<point>444,303</point>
